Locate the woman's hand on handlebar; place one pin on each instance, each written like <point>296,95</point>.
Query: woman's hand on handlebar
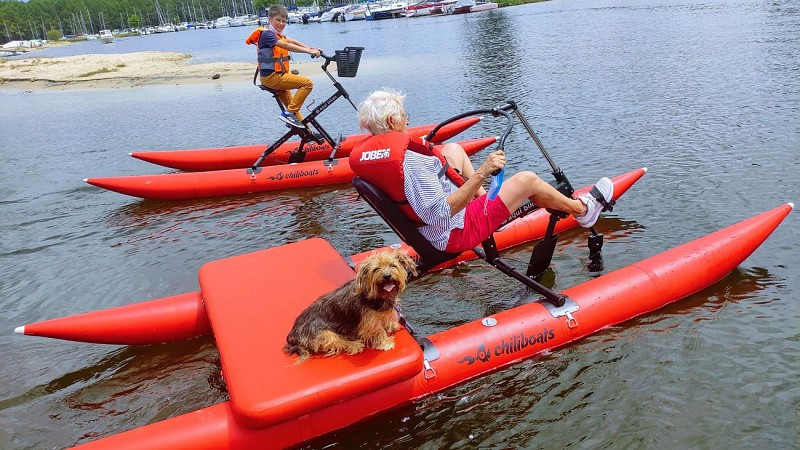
<point>315,52</point>
<point>494,162</point>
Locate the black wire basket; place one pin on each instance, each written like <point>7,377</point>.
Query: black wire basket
<point>347,61</point>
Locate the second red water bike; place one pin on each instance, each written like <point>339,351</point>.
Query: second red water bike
<point>315,160</point>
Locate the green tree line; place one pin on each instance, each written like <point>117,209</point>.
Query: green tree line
<point>36,19</point>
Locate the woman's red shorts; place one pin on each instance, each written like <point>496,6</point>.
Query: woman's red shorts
<point>481,219</point>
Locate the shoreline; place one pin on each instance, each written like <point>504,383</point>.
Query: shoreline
<point>126,70</point>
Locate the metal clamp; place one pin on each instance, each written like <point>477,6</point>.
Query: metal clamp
<point>566,310</point>
<point>429,371</point>
<point>330,162</point>
<point>571,322</point>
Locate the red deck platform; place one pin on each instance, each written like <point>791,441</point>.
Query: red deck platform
<point>252,302</point>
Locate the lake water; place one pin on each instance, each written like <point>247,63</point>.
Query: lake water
<point>705,93</point>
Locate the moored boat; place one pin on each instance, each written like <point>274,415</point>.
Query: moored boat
<point>483,6</point>
<point>327,394</point>
<point>222,22</point>
<point>356,12</point>
<point>442,7</point>
<point>214,183</point>
<point>386,10</point>
<point>422,8</point>
<point>336,15</point>
<point>106,36</point>
<point>242,157</point>
<point>461,7</point>
<point>468,6</point>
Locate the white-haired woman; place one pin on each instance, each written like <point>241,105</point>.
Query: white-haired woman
<point>459,218</point>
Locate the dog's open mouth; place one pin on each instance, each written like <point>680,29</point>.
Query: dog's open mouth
<point>388,286</point>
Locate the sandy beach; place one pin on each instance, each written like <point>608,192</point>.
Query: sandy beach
<point>123,71</point>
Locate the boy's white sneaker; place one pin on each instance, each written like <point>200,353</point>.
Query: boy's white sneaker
<point>291,119</point>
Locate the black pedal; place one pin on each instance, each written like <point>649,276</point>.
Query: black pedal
<point>595,253</point>
<point>297,156</point>
<point>557,213</point>
<point>316,137</point>
<point>541,257</point>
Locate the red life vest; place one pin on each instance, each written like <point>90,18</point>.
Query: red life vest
<point>379,160</point>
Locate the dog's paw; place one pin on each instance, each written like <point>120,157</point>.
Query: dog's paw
<point>392,326</point>
<point>386,344</point>
<point>355,347</point>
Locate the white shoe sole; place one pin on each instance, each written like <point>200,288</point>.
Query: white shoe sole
<point>292,123</point>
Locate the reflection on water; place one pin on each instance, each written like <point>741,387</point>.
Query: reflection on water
<point>295,212</point>
<point>128,366</point>
<point>493,57</point>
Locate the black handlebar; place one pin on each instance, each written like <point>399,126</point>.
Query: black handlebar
<point>328,60</point>
<point>505,110</point>
<point>496,111</point>
<point>509,125</point>
<point>501,110</point>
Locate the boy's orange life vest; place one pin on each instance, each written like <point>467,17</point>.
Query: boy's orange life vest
<point>272,58</point>
<point>254,36</point>
<point>379,160</point>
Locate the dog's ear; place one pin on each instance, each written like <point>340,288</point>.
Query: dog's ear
<point>362,274</point>
<point>408,263</point>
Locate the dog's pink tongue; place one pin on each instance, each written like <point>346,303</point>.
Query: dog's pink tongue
<point>388,286</point>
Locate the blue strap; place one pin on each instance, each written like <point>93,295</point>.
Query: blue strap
<point>497,181</point>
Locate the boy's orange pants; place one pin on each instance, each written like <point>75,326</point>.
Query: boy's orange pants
<point>283,83</point>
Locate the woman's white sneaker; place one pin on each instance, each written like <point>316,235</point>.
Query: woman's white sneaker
<point>605,190</point>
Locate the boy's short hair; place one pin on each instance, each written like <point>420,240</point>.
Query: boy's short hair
<point>278,10</point>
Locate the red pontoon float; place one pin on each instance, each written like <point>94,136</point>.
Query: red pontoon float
<point>183,316</point>
<point>242,156</point>
<point>190,185</point>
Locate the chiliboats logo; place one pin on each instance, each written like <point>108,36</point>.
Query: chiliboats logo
<point>294,174</point>
<point>312,147</point>
<point>507,346</point>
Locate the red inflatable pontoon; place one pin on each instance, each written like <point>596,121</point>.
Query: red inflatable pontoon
<point>277,404</point>
<point>184,316</point>
<point>190,185</point>
<point>243,156</point>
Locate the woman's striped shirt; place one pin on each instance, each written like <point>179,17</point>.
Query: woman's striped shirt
<point>427,194</point>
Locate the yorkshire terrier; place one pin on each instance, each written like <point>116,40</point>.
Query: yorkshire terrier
<point>358,314</point>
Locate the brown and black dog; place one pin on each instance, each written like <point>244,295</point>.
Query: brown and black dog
<point>358,314</point>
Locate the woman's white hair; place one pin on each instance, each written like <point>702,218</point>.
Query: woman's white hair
<point>378,107</point>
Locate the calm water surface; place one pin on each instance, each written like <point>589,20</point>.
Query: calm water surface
<point>706,94</point>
